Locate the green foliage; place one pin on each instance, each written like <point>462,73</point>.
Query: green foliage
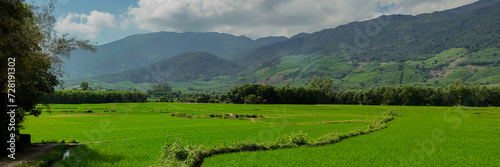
<point>177,150</point>
<point>185,67</point>
<point>218,116</point>
<point>486,76</point>
<point>84,86</point>
<point>79,97</point>
<point>266,94</point>
<point>401,37</point>
<point>408,50</point>
<point>324,84</point>
<point>133,131</point>
<point>177,154</point>
<point>293,140</point>
<point>454,94</point>
<point>423,136</point>
<point>35,57</point>
<point>155,47</point>
<point>404,135</point>
<point>159,90</point>
<point>47,160</point>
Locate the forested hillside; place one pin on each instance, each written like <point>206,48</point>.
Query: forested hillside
<point>395,37</point>
<point>431,49</point>
<point>144,49</point>
<point>427,49</point>
<point>184,67</point>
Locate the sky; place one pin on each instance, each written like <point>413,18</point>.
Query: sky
<point>104,21</point>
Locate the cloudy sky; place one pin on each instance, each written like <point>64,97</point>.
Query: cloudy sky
<point>105,21</point>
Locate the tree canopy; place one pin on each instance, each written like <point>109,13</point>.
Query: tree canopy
<point>27,39</point>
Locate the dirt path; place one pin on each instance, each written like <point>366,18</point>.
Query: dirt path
<point>40,150</point>
<point>35,151</point>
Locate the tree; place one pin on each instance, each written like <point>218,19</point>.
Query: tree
<point>54,45</point>
<point>84,85</point>
<point>28,41</point>
<point>159,90</point>
<point>325,84</point>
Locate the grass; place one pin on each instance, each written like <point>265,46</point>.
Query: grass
<point>491,75</point>
<point>423,136</point>
<point>136,134</point>
<point>440,59</point>
<point>179,154</point>
<point>45,161</point>
<point>461,74</point>
<point>112,135</point>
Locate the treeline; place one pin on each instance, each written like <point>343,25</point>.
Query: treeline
<point>267,94</point>
<point>79,97</point>
<point>253,94</point>
<point>162,92</point>
<point>198,97</point>
<point>454,94</point>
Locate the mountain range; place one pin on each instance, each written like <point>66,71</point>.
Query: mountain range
<point>144,49</point>
<point>426,49</point>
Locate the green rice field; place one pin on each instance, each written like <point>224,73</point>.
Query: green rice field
<point>134,134</point>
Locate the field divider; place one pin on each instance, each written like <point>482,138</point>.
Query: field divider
<point>108,141</point>
<point>180,154</point>
<point>324,122</point>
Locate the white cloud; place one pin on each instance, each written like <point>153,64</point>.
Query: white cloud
<point>88,25</point>
<point>257,18</point>
<point>430,6</point>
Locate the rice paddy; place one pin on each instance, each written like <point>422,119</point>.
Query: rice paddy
<point>135,134</point>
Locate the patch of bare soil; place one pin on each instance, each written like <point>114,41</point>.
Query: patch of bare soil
<point>35,151</point>
<point>454,63</point>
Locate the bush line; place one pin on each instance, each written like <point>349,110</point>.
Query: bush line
<point>179,154</point>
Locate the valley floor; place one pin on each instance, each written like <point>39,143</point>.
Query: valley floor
<point>136,133</point>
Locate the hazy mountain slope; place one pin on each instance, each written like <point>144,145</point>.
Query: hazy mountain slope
<point>184,67</point>
<point>140,50</point>
<point>427,49</point>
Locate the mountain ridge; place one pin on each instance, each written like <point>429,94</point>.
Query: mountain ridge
<point>389,50</point>
<point>200,65</point>
<point>140,50</point>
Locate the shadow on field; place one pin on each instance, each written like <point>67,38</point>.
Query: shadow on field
<point>81,155</point>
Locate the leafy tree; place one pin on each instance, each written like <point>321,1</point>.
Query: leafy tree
<point>52,44</point>
<point>27,36</point>
<point>325,84</point>
<point>159,90</point>
<point>84,85</point>
<point>389,96</point>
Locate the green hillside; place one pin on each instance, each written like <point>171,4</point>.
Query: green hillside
<point>427,49</point>
<point>440,70</point>
<point>395,37</point>
<point>184,67</point>
<point>144,49</point>
<point>431,49</point>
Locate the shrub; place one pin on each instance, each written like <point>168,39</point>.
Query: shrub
<point>176,150</point>
<point>181,114</point>
<point>294,139</point>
